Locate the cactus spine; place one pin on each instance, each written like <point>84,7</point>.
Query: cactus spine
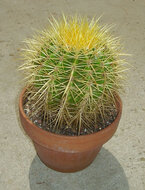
<point>72,71</point>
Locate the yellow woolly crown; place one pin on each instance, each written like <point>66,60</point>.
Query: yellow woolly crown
<point>79,33</point>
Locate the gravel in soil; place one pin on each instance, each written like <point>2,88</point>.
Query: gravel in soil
<point>37,119</point>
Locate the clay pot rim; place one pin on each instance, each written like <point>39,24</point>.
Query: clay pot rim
<point>66,137</point>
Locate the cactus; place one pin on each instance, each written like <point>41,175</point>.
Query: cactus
<point>73,70</point>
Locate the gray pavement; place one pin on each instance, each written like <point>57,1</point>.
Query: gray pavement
<point>121,163</point>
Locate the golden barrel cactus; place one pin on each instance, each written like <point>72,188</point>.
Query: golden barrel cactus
<point>73,71</point>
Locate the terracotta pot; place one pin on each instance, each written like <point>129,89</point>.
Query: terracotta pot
<point>67,153</point>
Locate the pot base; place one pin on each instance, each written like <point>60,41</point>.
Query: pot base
<point>66,162</point>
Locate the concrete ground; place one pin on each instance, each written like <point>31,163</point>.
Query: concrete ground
<point>121,163</point>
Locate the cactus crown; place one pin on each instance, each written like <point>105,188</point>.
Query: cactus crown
<point>73,71</point>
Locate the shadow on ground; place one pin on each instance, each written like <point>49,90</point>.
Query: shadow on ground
<point>105,173</point>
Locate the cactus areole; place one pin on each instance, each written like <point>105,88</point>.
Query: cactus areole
<point>73,75</point>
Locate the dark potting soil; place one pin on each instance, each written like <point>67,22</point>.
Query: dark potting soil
<point>102,124</point>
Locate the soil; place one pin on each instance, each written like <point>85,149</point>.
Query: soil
<point>102,124</point>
